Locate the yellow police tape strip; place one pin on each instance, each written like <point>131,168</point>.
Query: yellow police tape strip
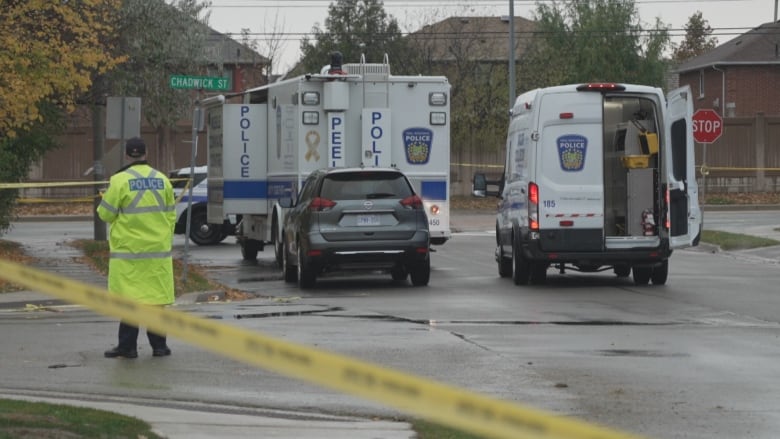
<point>429,399</point>
<point>55,200</point>
<point>32,200</point>
<point>724,168</point>
<point>476,165</point>
<point>54,184</point>
<point>64,184</point>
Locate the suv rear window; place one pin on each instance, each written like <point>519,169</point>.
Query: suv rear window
<point>365,185</point>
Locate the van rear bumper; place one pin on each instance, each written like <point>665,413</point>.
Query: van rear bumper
<point>533,253</point>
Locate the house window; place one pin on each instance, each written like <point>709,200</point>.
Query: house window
<point>701,83</point>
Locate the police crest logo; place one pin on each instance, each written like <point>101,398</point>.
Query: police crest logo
<point>571,152</point>
<point>417,144</point>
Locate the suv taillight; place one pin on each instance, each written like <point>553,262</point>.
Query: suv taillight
<point>533,206</point>
<point>319,204</point>
<point>412,202</point>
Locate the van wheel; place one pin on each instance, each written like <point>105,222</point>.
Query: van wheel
<point>660,273</point>
<point>522,270</point>
<point>504,264</point>
<point>538,275</point>
<point>622,270</point>
<point>421,274</point>
<point>642,275</point>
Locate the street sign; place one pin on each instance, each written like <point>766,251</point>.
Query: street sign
<point>200,82</point>
<point>707,126</point>
<point>123,117</point>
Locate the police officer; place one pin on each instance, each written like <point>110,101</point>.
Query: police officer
<point>139,206</point>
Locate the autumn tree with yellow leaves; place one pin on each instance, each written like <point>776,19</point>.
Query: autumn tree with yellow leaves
<point>50,51</point>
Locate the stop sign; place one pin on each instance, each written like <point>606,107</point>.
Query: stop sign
<point>707,126</point>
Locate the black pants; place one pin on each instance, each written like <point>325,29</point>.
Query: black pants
<point>128,338</point>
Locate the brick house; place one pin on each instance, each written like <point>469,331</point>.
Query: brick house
<point>739,79</point>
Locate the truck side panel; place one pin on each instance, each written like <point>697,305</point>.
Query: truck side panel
<point>245,184</point>
<point>421,149</point>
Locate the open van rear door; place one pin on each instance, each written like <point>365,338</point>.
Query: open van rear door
<point>683,212</point>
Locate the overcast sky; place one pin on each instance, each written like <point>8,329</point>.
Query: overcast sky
<point>294,19</point>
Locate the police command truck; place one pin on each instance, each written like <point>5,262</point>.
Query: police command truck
<point>263,147</point>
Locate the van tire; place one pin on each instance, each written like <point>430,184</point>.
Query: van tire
<point>642,274</point>
<point>660,273</point>
<point>504,264</point>
<point>522,268</point>
<point>538,273</point>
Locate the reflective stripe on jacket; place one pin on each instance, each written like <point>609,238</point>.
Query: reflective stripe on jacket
<point>139,204</point>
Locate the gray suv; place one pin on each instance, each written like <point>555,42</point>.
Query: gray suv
<point>356,219</point>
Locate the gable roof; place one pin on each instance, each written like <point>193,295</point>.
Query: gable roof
<point>476,38</point>
<point>759,46</point>
<point>222,49</point>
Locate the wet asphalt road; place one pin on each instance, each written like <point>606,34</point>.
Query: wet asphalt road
<point>695,358</point>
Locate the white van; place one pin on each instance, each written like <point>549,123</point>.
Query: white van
<point>201,232</point>
<point>596,177</point>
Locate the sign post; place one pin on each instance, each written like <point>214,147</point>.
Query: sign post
<point>707,128</point>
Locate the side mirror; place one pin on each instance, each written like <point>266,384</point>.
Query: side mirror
<point>286,202</point>
<point>479,185</point>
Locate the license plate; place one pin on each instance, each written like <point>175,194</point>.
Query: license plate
<point>368,220</point>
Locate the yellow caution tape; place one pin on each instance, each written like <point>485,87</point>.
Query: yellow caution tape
<point>185,191</point>
<point>56,200</point>
<point>34,200</point>
<point>725,168</point>
<point>65,184</point>
<point>437,402</point>
<point>477,165</point>
<point>54,184</point>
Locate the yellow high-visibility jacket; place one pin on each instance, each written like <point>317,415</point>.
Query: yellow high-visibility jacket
<point>139,204</point>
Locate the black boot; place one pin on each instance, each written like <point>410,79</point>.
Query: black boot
<point>161,352</point>
<point>120,353</point>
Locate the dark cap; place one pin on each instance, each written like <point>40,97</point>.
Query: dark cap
<point>135,147</point>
